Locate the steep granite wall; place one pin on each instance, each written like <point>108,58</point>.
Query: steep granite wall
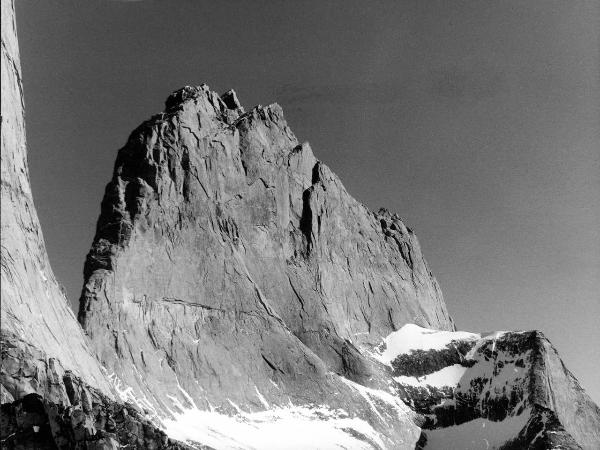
<point>33,305</point>
<point>228,259</point>
<point>53,391</point>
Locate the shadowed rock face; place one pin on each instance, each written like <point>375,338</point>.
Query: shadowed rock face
<point>50,407</point>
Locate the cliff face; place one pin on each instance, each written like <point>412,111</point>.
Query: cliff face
<point>229,261</point>
<point>226,257</point>
<point>53,391</point>
<point>34,308</point>
<point>233,280</point>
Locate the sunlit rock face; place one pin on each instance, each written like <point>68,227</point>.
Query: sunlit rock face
<point>53,391</point>
<point>228,259</point>
<point>34,307</point>
<point>507,390</point>
<point>237,292</point>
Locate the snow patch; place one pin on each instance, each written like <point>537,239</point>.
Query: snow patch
<point>448,376</point>
<point>500,375</point>
<point>413,337</point>
<point>124,391</point>
<point>286,428</point>
<point>262,399</point>
<point>484,339</point>
<point>126,395</point>
<point>290,428</point>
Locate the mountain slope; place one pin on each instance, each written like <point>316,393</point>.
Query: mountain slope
<point>234,285</point>
<point>509,389</point>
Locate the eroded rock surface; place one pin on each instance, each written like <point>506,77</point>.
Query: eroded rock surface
<point>46,406</point>
<point>231,272</point>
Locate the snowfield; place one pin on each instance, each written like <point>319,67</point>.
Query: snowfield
<point>288,428</point>
<point>296,427</point>
<point>448,376</point>
<point>291,428</point>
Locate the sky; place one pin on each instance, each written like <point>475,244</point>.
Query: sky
<point>477,121</point>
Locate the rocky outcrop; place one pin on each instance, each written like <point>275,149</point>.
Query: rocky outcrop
<point>543,431</point>
<point>33,422</point>
<point>46,406</point>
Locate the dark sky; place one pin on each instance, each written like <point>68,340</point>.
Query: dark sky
<point>478,122</point>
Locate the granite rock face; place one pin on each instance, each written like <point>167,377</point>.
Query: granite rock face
<point>46,406</point>
<point>229,260</point>
<point>33,305</point>
<point>231,272</point>
<point>53,391</point>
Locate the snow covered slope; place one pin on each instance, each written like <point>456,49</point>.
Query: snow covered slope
<point>502,389</point>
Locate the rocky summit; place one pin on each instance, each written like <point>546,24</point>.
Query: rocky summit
<point>236,296</point>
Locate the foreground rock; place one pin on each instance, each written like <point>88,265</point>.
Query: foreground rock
<point>56,409</point>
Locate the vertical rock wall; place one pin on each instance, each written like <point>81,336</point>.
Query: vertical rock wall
<point>34,308</point>
<point>227,258</point>
<point>52,388</point>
